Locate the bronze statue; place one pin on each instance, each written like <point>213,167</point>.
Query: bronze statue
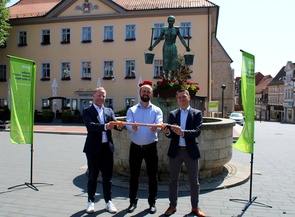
<point>170,53</point>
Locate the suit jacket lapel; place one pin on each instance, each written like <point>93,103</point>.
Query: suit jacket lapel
<point>94,112</point>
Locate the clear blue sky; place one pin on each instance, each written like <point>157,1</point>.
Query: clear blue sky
<point>263,28</point>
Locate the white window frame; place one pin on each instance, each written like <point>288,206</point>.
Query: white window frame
<point>65,70</point>
<point>129,102</point>
<point>186,29</point>
<point>45,102</point>
<point>86,69</point>
<point>86,34</point>
<point>66,35</point>
<point>157,30</point>
<point>108,33</point>
<point>45,67</point>
<point>45,34</point>
<point>130,32</point>
<point>22,40</point>
<point>108,69</point>
<point>109,102</point>
<point>130,70</point>
<point>158,66</point>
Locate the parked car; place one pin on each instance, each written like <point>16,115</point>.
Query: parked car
<point>238,117</point>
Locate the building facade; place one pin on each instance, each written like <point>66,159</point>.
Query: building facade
<point>84,44</point>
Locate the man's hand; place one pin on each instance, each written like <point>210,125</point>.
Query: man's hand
<point>110,126</point>
<point>120,126</point>
<point>165,129</point>
<point>134,127</point>
<point>176,129</point>
<point>153,129</point>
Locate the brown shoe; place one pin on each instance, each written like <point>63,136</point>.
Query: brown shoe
<point>198,212</point>
<point>170,211</point>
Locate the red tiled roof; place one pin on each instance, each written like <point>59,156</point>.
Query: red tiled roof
<point>263,83</point>
<point>162,4</point>
<point>32,8</point>
<point>36,8</point>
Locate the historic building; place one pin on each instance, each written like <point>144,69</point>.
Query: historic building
<point>85,43</point>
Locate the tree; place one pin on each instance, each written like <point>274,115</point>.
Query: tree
<point>4,22</point>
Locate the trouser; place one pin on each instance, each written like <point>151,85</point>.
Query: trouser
<point>149,154</point>
<point>192,167</point>
<point>100,162</point>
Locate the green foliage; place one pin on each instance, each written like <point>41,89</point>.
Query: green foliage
<point>4,22</point>
<point>65,114</point>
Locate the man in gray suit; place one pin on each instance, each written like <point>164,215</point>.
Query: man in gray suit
<point>184,126</point>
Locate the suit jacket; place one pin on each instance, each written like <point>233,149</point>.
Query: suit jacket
<point>192,131</point>
<point>95,129</point>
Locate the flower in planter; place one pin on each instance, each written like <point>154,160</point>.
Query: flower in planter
<point>179,80</point>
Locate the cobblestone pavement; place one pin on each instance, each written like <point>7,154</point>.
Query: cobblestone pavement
<point>59,175</point>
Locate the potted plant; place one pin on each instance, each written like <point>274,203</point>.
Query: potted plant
<point>47,116</point>
<point>66,116</point>
<point>170,84</point>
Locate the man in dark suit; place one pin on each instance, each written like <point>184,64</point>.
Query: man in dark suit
<point>99,148</point>
<point>184,127</point>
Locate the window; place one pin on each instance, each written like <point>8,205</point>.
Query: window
<point>130,69</point>
<point>45,103</point>
<point>157,30</point>
<point>86,70</point>
<point>158,64</point>
<point>65,71</point>
<point>129,102</point>
<point>2,73</point>
<point>108,34</point>
<point>86,34</point>
<point>130,33</point>
<point>185,29</point>
<point>3,102</point>
<point>74,104</point>
<point>65,36</point>
<point>45,37</point>
<point>66,104</point>
<point>22,40</point>
<point>45,72</point>
<point>109,103</point>
<point>108,70</point>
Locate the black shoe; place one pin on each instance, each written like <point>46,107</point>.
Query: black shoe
<point>152,209</point>
<point>131,207</point>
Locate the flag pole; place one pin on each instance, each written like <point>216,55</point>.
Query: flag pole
<point>251,199</point>
<point>245,143</point>
<point>18,67</point>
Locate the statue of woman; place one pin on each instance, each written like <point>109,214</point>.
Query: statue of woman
<point>170,53</point>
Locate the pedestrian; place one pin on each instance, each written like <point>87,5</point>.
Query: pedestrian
<point>99,148</point>
<point>144,145</point>
<point>184,127</point>
<point>170,53</point>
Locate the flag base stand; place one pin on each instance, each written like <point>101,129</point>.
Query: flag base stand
<point>251,199</point>
<point>31,184</point>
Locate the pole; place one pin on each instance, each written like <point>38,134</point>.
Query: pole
<point>222,99</point>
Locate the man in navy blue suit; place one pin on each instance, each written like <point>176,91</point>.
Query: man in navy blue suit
<point>184,127</point>
<point>99,148</point>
